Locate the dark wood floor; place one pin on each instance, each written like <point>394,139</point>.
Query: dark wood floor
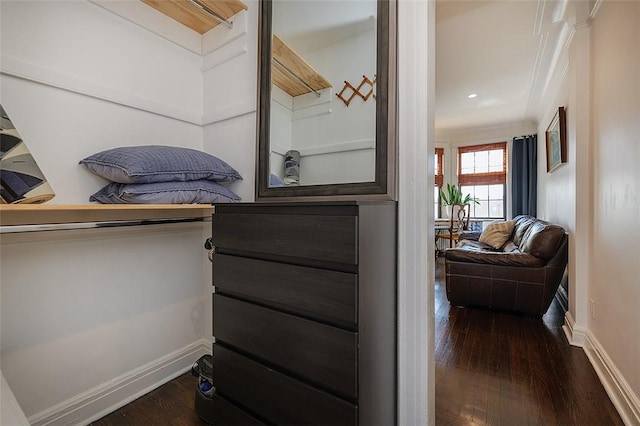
<point>492,368</point>
<point>495,368</point>
<point>170,404</point>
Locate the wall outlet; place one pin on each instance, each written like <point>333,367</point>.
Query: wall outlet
<point>593,309</point>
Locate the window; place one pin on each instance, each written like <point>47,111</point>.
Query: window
<point>439,180</point>
<point>482,172</point>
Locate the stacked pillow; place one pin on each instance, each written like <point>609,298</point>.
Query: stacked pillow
<point>156,174</point>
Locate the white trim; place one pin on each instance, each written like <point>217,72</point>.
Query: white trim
<point>158,23</point>
<point>338,147</point>
<point>222,56</point>
<point>221,35</point>
<point>108,397</point>
<point>327,149</point>
<point>154,21</point>
<point>279,149</point>
<point>11,412</point>
<point>619,391</point>
<point>307,100</point>
<point>416,78</point>
<point>37,74</point>
<point>281,98</point>
<point>575,334</point>
<point>595,9</point>
<point>312,111</point>
<point>230,111</point>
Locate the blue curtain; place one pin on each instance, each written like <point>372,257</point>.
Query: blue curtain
<point>524,175</point>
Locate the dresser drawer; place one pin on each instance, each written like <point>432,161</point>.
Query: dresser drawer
<point>316,238</point>
<point>275,396</point>
<point>320,353</point>
<point>225,413</point>
<point>316,293</point>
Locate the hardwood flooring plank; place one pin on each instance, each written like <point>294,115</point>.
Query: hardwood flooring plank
<point>171,404</point>
<point>492,369</point>
<point>498,368</point>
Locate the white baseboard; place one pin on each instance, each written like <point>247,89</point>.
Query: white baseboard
<point>108,397</point>
<point>575,334</point>
<point>619,391</point>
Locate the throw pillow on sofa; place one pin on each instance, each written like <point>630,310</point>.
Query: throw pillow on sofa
<point>497,233</point>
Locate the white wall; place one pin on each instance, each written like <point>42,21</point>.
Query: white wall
<point>230,95</point>
<point>616,126</point>
<point>595,195</point>
<point>91,318</point>
<point>80,309</point>
<point>95,58</point>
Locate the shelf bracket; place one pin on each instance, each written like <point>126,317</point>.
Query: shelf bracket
<point>211,13</point>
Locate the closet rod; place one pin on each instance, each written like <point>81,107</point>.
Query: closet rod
<point>284,68</point>
<point>15,229</point>
<point>211,13</point>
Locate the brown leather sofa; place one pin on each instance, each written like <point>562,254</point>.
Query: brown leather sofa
<point>522,276</point>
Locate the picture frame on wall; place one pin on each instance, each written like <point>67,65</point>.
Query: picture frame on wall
<point>556,135</point>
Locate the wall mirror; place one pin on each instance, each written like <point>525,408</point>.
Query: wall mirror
<point>326,99</point>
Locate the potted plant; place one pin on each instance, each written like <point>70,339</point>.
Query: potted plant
<point>453,195</point>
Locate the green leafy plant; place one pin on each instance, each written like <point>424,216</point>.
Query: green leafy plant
<point>453,195</point>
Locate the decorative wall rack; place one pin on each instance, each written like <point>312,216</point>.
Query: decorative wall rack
<point>364,90</point>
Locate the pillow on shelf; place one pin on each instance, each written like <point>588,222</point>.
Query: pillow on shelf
<point>191,192</point>
<point>497,233</point>
<point>275,181</point>
<point>158,163</point>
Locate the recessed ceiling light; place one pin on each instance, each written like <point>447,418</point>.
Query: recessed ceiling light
<point>471,96</point>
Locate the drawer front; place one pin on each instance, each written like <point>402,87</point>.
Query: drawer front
<point>320,353</point>
<point>317,293</point>
<point>226,414</point>
<point>275,396</point>
<point>316,238</point>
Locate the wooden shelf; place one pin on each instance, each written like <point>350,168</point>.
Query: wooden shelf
<point>43,214</point>
<point>296,65</point>
<point>194,17</point>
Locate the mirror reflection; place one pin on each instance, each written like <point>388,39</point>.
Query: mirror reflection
<point>323,94</point>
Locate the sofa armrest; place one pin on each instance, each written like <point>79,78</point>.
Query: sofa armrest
<point>493,258</point>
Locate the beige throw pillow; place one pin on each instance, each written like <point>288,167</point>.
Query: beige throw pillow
<point>497,233</point>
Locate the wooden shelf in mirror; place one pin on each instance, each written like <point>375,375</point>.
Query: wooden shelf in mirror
<point>41,214</point>
<point>287,57</point>
<point>191,15</point>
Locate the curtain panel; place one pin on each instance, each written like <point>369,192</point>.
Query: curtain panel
<point>524,175</point>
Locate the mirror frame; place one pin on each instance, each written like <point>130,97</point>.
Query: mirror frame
<point>384,186</point>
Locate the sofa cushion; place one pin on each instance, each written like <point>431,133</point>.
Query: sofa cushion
<point>497,233</point>
<point>541,239</point>
<point>465,254</point>
<point>474,245</point>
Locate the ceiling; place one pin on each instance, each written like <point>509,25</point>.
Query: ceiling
<point>312,24</point>
<point>502,51</point>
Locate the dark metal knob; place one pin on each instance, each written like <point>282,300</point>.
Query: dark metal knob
<point>208,244</point>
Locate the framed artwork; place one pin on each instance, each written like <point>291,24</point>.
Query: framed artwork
<point>557,140</point>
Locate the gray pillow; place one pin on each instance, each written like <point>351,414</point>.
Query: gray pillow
<point>192,192</point>
<point>157,163</point>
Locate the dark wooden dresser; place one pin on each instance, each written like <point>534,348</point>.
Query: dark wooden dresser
<point>304,313</point>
